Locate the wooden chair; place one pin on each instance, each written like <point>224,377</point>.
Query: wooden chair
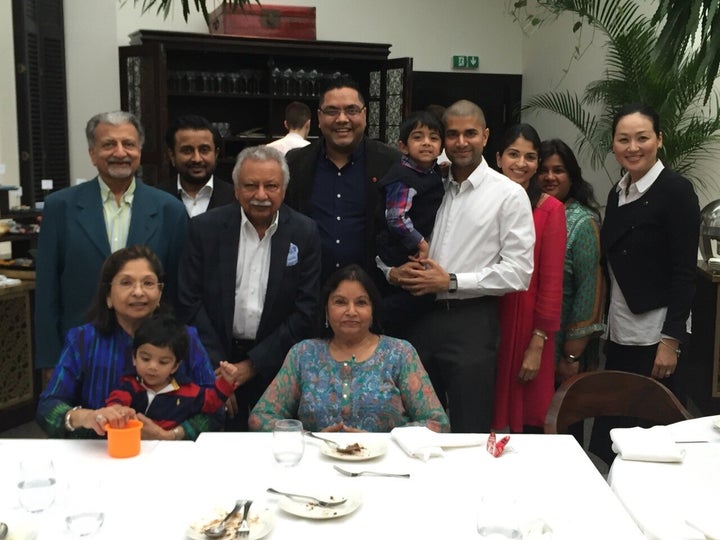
<point>612,393</point>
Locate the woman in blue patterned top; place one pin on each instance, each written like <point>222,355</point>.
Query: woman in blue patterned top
<point>96,355</point>
<point>354,379</point>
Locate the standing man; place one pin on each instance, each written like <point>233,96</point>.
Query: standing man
<point>82,225</point>
<point>249,278</point>
<point>481,248</point>
<point>297,123</point>
<point>334,180</point>
<point>193,146</point>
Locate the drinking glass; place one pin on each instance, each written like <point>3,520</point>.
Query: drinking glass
<point>498,517</point>
<point>36,484</point>
<point>84,513</point>
<point>288,442</point>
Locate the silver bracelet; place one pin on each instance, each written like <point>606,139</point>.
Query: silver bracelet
<point>68,425</point>
<point>677,351</point>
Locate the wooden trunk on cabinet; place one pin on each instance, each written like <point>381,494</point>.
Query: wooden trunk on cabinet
<point>269,21</point>
<point>247,83</point>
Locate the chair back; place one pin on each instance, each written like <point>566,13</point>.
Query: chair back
<point>612,393</point>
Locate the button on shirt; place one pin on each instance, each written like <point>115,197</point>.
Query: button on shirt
<point>198,204</point>
<point>338,206</point>
<point>625,327</point>
<point>251,278</point>
<point>484,233</point>
<point>117,216</point>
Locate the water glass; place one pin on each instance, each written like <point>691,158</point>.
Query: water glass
<point>36,484</point>
<point>288,442</point>
<point>498,517</point>
<point>84,508</point>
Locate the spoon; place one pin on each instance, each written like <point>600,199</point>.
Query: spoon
<point>323,439</point>
<point>3,530</point>
<point>218,531</point>
<point>317,501</point>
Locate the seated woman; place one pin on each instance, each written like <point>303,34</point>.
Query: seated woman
<point>96,355</point>
<point>354,379</point>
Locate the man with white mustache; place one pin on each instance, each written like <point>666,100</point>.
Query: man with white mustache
<point>82,225</point>
<point>250,278</point>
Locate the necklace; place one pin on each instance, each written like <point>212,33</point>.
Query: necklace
<point>362,350</point>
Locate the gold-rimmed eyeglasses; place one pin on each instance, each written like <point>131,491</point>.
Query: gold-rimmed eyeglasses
<point>127,284</point>
<point>350,111</point>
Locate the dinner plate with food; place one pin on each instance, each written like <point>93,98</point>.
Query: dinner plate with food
<point>355,451</point>
<point>307,508</point>
<point>260,520</point>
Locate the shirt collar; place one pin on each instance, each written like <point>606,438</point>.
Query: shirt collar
<point>475,179</point>
<point>409,162</point>
<point>207,188</point>
<point>106,194</point>
<point>644,183</point>
<point>245,223</point>
<point>357,153</point>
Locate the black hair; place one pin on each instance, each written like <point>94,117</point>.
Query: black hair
<point>101,316</point>
<point>420,119</point>
<point>632,108</point>
<point>580,189</point>
<point>529,133</point>
<point>162,330</point>
<point>352,272</point>
<point>336,83</point>
<point>194,122</point>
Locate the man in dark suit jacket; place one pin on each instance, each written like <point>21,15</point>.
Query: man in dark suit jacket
<point>249,277</point>
<point>334,181</point>
<point>82,225</point>
<point>193,145</point>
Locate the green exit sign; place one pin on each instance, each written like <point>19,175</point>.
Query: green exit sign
<point>465,62</point>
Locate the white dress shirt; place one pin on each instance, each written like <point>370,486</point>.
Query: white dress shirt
<point>484,233</point>
<point>288,142</point>
<point>198,204</point>
<point>251,277</point>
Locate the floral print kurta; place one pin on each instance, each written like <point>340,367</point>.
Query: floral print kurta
<point>389,389</point>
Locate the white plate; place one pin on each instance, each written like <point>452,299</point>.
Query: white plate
<point>260,519</point>
<point>311,510</point>
<point>368,450</point>
<point>716,423</point>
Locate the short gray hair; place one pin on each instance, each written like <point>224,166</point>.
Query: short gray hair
<point>114,118</point>
<point>261,153</point>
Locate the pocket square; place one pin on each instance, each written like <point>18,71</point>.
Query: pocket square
<point>292,258</point>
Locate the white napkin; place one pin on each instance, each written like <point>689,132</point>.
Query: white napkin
<point>646,444</point>
<point>417,441</point>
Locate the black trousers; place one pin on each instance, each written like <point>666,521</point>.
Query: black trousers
<point>457,342</point>
<point>246,395</point>
<point>635,359</point>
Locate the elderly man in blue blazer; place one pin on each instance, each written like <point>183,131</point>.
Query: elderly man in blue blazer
<point>82,225</point>
<point>249,277</point>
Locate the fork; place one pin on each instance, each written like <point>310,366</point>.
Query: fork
<point>370,473</point>
<point>244,529</point>
<point>317,501</point>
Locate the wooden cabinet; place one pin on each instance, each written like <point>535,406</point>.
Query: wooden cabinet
<point>246,83</point>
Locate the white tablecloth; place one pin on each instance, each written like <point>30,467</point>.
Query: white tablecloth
<point>172,484</point>
<point>662,497</point>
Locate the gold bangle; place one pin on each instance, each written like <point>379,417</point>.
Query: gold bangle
<point>540,334</point>
<point>676,351</point>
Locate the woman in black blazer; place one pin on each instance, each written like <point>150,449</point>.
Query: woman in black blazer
<point>649,242</point>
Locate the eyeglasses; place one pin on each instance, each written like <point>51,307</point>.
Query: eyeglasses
<point>350,111</point>
<point>127,284</point>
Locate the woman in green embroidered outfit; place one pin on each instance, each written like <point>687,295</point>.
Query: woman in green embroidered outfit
<point>577,343</point>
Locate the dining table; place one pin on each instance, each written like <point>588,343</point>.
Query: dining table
<point>171,489</point>
<point>677,500</point>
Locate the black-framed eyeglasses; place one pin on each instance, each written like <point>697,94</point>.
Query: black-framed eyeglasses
<point>350,110</point>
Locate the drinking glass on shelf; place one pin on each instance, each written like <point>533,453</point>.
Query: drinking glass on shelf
<point>288,442</point>
<point>257,76</point>
<point>36,484</point>
<point>300,81</point>
<point>313,78</point>
<point>233,84</point>
<point>220,86</point>
<point>275,75</point>
<point>286,77</point>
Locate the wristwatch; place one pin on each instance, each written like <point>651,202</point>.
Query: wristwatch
<point>453,287</point>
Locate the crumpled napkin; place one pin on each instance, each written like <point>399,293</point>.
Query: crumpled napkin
<point>646,444</point>
<point>417,441</point>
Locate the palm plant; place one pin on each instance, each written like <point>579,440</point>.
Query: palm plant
<point>633,73</point>
<point>164,6</point>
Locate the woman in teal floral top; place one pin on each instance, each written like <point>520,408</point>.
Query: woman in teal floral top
<point>355,379</point>
<point>577,343</point>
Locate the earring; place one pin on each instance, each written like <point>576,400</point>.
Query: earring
<point>326,323</point>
